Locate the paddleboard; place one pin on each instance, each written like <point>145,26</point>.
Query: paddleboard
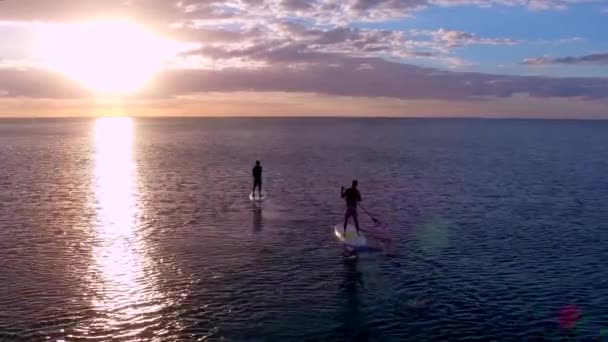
<point>350,239</point>
<point>257,198</point>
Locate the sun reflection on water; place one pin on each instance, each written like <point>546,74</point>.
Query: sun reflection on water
<point>124,291</point>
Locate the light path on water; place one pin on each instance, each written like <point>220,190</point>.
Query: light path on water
<point>498,230</point>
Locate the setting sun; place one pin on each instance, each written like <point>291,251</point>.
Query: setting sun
<point>112,57</point>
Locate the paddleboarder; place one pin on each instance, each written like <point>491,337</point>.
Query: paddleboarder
<point>257,178</point>
<point>352,197</point>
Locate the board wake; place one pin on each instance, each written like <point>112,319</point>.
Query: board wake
<point>257,198</point>
<point>350,238</point>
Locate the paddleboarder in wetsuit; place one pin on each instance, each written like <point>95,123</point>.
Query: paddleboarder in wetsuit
<point>352,196</point>
<point>257,178</point>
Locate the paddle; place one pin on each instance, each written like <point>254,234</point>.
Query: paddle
<point>368,214</point>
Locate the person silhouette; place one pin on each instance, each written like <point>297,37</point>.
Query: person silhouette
<point>352,197</point>
<point>257,179</point>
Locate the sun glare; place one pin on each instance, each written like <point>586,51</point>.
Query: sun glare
<point>112,57</point>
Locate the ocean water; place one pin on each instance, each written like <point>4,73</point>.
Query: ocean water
<point>142,230</point>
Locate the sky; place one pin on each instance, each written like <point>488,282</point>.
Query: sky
<point>412,58</point>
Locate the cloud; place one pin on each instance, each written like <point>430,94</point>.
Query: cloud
<point>380,10</point>
<point>596,59</point>
<point>38,83</point>
<point>66,10</point>
<point>446,39</point>
<point>317,10</point>
<point>531,4</point>
<point>294,44</point>
<point>378,78</point>
<point>536,61</point>
<point>355,77</point>
<point>562,41</point>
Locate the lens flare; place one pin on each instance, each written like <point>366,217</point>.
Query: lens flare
<point>569,317</point>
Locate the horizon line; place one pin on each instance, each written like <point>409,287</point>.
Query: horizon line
<point>522,118</point>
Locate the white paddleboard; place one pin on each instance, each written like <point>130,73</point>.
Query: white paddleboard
<point>351,238</point>
<point>257,198</point>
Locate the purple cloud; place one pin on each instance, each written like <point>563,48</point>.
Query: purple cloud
<point>294,43</point>
<point>290,42</point>
<point>596,58</point>
<point>356,77</point>
<point>373,77</point>
<point>297,5</point>
<point>321,10</point>
<point>38,83</point>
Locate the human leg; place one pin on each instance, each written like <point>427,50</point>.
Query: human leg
<point>346,216</point>
<point>356,219</point>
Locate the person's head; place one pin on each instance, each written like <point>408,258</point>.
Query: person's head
<point>355,183</point>
<point>257,162</point>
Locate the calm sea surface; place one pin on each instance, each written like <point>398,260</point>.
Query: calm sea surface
<point>142,230</point>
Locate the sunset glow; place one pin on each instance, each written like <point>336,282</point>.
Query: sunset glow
<point>422,58</point>
<point>108,56</point>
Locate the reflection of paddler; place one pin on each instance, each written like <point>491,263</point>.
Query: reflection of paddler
<point>353,277</point>
<point>257,218</point>
<point>354,327</point>
<point>352,197</point>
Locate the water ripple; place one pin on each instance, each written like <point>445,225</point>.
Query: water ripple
<point>142,230</point>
